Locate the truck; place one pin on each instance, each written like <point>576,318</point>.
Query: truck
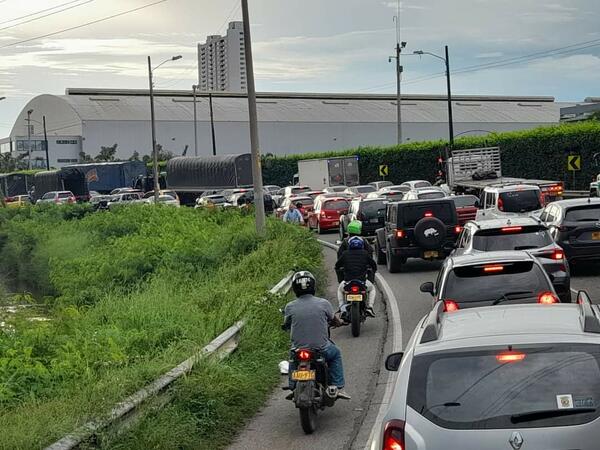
<point>14,184</point>
<point>190,176</point>
<point>106,176</point>
<point>61,180</point>
<point>470,171</point>
<point>326,172</point>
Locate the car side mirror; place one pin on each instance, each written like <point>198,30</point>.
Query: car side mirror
<point>427,288</point>
<point>392,362</point>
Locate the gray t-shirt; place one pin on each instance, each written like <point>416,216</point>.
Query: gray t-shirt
<point>309,316</point>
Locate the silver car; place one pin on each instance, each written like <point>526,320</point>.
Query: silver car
<point>500,377</point>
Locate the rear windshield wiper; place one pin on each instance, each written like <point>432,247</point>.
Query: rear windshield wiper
<point>547,414</point>
<point>506,297</point>
<point>525,247</point>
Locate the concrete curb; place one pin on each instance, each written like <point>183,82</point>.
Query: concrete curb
<point>396,345</point>
<point>222,346</point>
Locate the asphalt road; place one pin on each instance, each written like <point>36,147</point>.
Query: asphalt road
<point>277,425</point>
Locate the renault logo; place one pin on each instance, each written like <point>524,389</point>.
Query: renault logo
<point>516,440</point>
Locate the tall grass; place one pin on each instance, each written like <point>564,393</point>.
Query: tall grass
<point>132,293</point>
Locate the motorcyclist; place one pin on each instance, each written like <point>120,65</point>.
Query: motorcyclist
<point>308,319</point>
<point>354,229</point>
<point>355,264</point>
<point>293,215</point>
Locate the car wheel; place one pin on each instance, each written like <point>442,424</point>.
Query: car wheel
<point>381,257</point>
<point>393,262</point>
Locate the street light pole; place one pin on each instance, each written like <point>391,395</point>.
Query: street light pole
<point>450,118</point>
<point>46,144</point>
<point>29,138</point>
<point>194,88</point>
<point>253,119</point>
<point>212,124</point>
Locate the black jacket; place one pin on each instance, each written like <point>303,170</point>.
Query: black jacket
<point>344,246</point>
<point>355,264</point>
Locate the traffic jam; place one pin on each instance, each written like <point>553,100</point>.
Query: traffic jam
<point>508,354</point>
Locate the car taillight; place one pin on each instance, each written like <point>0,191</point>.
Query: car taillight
<point>428,214</point>
<point>508,357</point>
<point>304,355</point>
<point>500,204</point>
<point>493,269</point>
<point>9,199</point>
<point>393,435</point>
<point>399,234</point>
<point>450,306</point>
<point>558,255</point>
<point>547,298</point>
<point>511,229</point>
<point>354,289</point>
<point>458,229</point>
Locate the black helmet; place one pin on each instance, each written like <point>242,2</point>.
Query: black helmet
<point>304,283</point>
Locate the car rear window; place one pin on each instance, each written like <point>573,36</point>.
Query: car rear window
<point>486,283</point>
<point>393,196</point>
<point>306,201</point>
<point>409,215</point>
<point>464,201</point>
<point>336,204</point>
<point>373,208</point>
<point>480,389</point>
<point>583,214</point>
<point>365,189</point>
<point>217,199</point>
<point>297,190</point>
<point>64,194</point>
<point>519,201</point>
<point>430,195</point>
<point>526,238</point>
<point>422,184</point>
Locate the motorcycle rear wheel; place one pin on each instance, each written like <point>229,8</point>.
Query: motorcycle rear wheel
<point>355,318</point>
<point>308,419</point>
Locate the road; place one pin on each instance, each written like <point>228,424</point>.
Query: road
<point>277,425</point>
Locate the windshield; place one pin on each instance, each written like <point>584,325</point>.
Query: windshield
<point>532,237</point>
<point>422,184</point>
<point>48,196</point>
<point>216,200</point>
<point>306,201</point>
<point>335,205</point>
<point>477,389</point>
<point>583,214</point>
<point>64,195</point>
<point>393,196</point>
<point>464,200</point>
<point>364,189</point>
<point>408,216</point>
<point>519,201</point>
<point>373,208</point>
<point>467,284</point>
<point>297,190</point>
<point>430,195</point>
<point>336,188</point>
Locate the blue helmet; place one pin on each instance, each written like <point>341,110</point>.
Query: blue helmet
<point>356,243</point>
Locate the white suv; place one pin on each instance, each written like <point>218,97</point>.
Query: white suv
<point>499,377</point>
<point>513,200</point>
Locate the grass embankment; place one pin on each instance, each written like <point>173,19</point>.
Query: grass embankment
<point>132,293</point>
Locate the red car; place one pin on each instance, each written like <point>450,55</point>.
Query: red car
<point>327,212</point>
<point>466,207</point>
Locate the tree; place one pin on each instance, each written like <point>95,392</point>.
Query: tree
<point>147,159</point>
<point>163,155</point>
<point>107,153</point>
<point>595,115</point>
<point>85,158</point>
<point>135,156</point>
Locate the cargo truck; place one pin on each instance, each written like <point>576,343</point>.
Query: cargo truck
<point>61,180</point>
<point>14,184</point>
<point>327,172</point>
<point>106,176</point>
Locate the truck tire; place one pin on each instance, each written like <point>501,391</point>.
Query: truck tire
<point>394,263</point>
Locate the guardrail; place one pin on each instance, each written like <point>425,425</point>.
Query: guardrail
<point>127,411</point>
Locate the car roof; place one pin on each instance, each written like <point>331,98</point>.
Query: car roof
<point>507,324</point>
<point>512,186</point>
<point>490,257</point>
<point>576,202</point>
<point>492,224</point>
<point>423,201</point>
<point>334,198</point>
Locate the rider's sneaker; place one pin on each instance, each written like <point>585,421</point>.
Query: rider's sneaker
<point>369,311</point>
<point>342,394</point>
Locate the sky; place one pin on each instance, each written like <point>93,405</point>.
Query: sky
<point>304,46</point>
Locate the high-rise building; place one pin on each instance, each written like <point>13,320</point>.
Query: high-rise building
<point>222,61</point>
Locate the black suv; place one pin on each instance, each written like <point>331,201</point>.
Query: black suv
<point>369,211</point>
<point>425,229</point>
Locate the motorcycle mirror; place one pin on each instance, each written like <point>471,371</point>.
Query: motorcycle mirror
<point>427,288</point>
<point>392,362</point>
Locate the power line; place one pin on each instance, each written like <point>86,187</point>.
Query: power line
<point>85,24</point>
<point>232,12</point>
<point>45,15</point>
<point>38,12</point>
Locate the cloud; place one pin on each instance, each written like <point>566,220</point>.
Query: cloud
<point>489,55</point>
<point>558,7</point>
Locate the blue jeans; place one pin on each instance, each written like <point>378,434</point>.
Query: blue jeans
<point>333,356</point>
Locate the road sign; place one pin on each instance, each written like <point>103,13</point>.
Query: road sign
<point>573,163</point>
<point>384,170</point>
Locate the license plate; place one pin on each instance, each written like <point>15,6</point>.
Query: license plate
<point>430,254</point>
<point>303,375</point>
<point>354,298</point>
<point>596,235</point>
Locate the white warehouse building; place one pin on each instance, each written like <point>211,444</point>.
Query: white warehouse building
<point>84,120</point>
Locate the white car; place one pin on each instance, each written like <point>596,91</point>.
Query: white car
<point>166,200</point>
<point>510,200</point>
<point>124,198</point>
<point>427,193</point>
<point>417,184</point>
<point>508,377</point>
<point>58,198</point>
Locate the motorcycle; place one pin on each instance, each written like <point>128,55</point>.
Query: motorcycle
<point>355,294</point>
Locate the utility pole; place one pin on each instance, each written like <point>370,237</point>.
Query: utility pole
<point>399,70</point>
<point>194,88</point>
<point>152,120</point>
<point>212,124</point>
<point>29,138</point>
<point>46,143</point>
<point>450,119</point>
<point>259,203</point>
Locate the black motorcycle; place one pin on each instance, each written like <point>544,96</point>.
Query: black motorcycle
<point>355,294</point>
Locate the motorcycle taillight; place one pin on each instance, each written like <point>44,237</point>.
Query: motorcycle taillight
<point>304,355</point>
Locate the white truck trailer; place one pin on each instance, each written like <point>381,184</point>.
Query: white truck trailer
<point>326,172</point>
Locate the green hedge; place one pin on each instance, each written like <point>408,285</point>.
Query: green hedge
<point>536,153</point>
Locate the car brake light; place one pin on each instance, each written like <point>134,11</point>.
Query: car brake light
<point>354,289</point>
<point>458,229</point>
<point>450,306</point>
<point>558,255</point>
<point>496,268</point>
<point>304,355</point>
<point>511,229</point>
<point>399,234</point>
<point>510,357</point>
<point>547,298</point>
<point>500,204</point>
<point>428,214</point>
<point>393,435</point>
